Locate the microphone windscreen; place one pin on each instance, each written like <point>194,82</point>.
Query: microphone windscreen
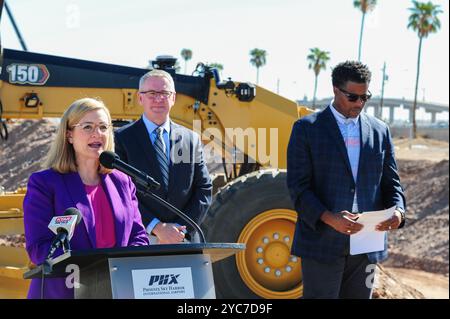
<point>107,159</point>
<point>74,211</point>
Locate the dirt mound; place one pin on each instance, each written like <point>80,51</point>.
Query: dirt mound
<point>24,151</point>
<point>13,241</point>
<point>426,186</point>
<point>431,285</point>
<point>424,242</point>
<point>387,286</point>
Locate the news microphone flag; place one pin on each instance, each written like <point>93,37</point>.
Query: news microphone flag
<point>67,223</point>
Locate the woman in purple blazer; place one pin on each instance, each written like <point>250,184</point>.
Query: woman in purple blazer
<point>75,178</point>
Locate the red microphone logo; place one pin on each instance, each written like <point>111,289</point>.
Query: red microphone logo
<point>63,220</point>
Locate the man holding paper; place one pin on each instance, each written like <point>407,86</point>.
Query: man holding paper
<point>341,162</point>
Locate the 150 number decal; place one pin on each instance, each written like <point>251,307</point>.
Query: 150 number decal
<point>34,74</point>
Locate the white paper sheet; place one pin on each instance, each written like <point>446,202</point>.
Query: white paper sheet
<point>368,239</point>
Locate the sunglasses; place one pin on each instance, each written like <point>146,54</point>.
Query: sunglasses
<point>351,97</point>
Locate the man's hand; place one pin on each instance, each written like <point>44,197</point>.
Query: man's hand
<point>343,222</point>
<point>391,223</point>
<point>169,233</point>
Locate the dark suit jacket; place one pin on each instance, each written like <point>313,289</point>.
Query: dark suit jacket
<point>319,178</point>
<point>190,188</point>
<point>50,193</point>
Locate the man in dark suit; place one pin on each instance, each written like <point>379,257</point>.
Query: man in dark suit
<point>340,162</point>
<point>170,153</point>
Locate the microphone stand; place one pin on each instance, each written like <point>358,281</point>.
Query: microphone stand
<point>147,183</point>
<point>173,209</point>
<point>66,245</point>
<point>46,266</point>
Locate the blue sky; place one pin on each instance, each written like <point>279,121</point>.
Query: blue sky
<point>133,32</point>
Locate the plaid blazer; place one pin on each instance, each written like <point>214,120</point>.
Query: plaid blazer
<point>319,178</point>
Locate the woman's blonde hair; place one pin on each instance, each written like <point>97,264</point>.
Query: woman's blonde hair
<point>61,157</point>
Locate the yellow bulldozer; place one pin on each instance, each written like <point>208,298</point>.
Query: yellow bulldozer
<point>244,128</point>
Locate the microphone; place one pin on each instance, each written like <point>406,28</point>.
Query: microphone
<point>63,227</point>
<point>111,160</point>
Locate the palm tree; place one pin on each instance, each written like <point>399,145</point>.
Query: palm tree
<point>258,60</point>
<point>365,6</point>
<point>218,66</point>
<point>423,20</point>
<point>186,54</point>
<point>317,61</point>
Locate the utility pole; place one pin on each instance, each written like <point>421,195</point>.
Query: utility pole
<point>278,86</point>
<point>385,77</point>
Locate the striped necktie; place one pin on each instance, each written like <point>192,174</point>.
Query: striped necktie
<point>160,148</point>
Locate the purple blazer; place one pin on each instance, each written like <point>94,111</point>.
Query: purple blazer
<point>50,193</point>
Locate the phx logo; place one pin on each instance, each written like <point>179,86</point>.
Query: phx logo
<point>170,279</point>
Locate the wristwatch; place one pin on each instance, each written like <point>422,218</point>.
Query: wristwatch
<point>402,213</point>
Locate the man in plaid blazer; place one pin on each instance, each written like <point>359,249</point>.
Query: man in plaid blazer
<point>340,162</point>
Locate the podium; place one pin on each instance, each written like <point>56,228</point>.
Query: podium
<point>176,271</point>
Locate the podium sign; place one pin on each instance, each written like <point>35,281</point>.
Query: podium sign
<point>178,271</point>
<point>162,277</point>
